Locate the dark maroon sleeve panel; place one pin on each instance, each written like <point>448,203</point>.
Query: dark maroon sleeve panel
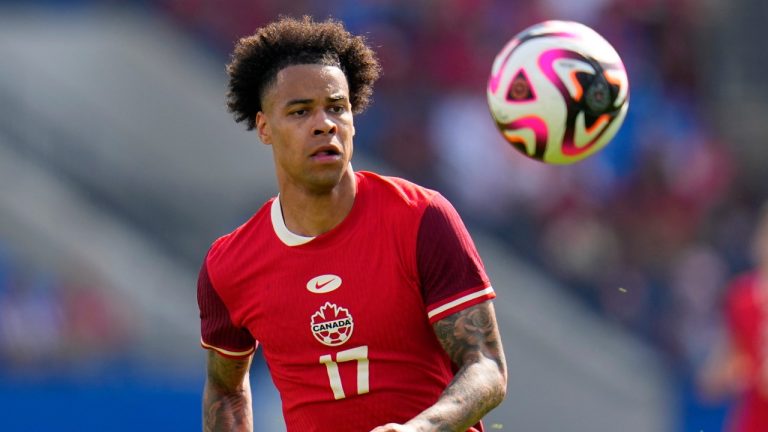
<point>447,259</point>
<point>217,330</point>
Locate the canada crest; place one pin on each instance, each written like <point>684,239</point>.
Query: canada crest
<point>332,325</point>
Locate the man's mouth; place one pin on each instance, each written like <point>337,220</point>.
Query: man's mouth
<point>326,152</point>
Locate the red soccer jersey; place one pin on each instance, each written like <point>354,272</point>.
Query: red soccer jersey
<point>344,318</point>
<point>747,318</point>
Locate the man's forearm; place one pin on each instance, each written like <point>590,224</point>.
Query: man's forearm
<point>471,339</point>
<point>227,411</point>
<point>476,389</point>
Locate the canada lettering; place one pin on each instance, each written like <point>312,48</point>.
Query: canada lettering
<point>332,325</point>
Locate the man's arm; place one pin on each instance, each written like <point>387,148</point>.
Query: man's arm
<point>227,395</point>
<point>471,339</point>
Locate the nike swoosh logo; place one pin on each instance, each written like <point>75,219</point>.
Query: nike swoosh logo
<point>324,283</point>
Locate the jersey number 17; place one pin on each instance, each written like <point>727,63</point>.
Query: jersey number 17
<point>361,355</point>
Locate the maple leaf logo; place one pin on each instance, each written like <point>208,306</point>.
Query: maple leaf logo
<point>329,312</point>
<point>332,325</point>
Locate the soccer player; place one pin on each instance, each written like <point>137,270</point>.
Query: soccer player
<point>365,292</point>
<point>740,366</point>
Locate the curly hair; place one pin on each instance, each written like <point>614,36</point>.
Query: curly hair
<point>258,58</point>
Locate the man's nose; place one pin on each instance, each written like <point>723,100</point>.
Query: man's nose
<point>325,125</point>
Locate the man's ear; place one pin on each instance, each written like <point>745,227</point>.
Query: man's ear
<point>262,127</point>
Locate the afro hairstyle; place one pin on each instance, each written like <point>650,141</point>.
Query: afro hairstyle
<point>258,58</point>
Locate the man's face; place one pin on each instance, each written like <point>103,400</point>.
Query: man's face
<point>306,117</point>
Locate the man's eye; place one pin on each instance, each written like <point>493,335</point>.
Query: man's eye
<point>299,113</point>
<point>337,109</point>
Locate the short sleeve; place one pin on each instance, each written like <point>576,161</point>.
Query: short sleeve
<point>218,333</point>
<point>451,273</point>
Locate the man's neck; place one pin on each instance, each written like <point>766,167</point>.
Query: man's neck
<point>311,214</point>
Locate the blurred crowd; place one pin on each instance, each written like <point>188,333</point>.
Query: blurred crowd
<point>52,322</point>
<point>646,232</point>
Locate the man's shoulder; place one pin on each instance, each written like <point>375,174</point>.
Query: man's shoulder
<point>241,237</point>
<point>396,190</point>
<point>740,293</point>
<point>742,282</point>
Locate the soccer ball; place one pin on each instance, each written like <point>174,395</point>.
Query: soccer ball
<point>558,92</point>
<point>335,337</point>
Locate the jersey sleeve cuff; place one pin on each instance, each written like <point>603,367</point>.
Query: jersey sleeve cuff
<point>228,353</point>
<point>459,302</point>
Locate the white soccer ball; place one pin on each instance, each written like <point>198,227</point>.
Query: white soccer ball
<point>336,336</point>
<point>558,92</point>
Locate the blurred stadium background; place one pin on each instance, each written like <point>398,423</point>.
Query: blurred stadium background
<point>119,165</point>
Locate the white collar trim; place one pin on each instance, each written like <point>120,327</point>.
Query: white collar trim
<point>278,224</point>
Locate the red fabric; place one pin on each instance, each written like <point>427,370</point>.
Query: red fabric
<point>216,324</point>
<point>380,304</point>
<point>449,266</point>
<point>748,326</point>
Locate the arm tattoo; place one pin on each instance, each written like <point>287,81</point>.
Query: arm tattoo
<point>227,395</point>
<point>471,340</point>
<point>471,334</point>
